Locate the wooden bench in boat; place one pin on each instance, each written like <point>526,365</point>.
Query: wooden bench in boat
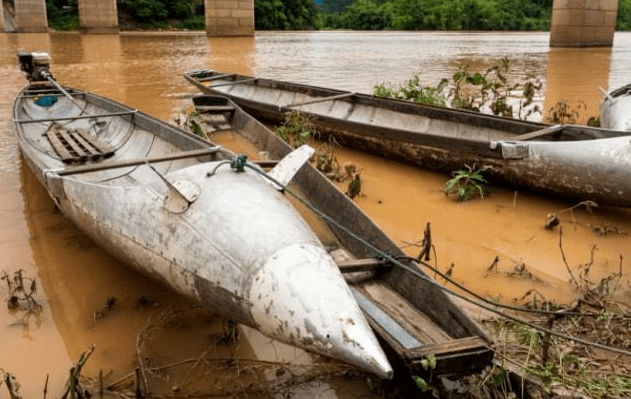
<point>77,145</point>
<point>411,333</point>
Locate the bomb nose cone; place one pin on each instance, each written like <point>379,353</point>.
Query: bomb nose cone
<point>300,297</point>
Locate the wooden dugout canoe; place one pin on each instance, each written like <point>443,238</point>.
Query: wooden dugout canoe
<point>169,204</point>
<point>411,315</point>
<point>573,162</point>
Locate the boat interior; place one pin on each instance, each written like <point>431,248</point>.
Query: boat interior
<point>384,118</point>
<point>99,140</point>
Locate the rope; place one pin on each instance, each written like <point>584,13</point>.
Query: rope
<point>388,257</point>
<point>239,162</point>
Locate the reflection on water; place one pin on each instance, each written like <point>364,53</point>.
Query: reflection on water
<point>583,70</point>
<point>145,71</point>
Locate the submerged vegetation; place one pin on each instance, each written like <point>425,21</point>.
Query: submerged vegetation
<point>296,129</point>
<point>576,350</point>
<point>488,91</point>
<point>466,184</point>
<point>21,297</point>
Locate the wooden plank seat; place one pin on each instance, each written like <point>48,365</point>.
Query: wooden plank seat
<point>413,335</point>
<point>215,108</point>
<point>77,145</point>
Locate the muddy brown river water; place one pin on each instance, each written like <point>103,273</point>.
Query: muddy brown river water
<point>75,277</point>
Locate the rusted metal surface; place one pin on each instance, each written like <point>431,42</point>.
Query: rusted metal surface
<point>574,162</point>
<point>228,239</point>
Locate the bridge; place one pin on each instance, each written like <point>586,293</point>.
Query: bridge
<point>575,23</point>
<point>223,17</point>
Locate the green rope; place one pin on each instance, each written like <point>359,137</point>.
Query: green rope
<point>239,162</point>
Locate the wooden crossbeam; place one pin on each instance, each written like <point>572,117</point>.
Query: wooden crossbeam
<point>216,77</point>
<point>538,133</point>
<point>59,147</point>
<point>102,147</point>
<point>214,108</point>
<point>360,265</point>
<point>234,83</point>
<point>71,118</point>
<point>134,162</point>
<point>72,144</point>
<point>322,99</point>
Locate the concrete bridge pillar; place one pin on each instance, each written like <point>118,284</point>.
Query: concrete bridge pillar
<point>229,17</point>
<point>98,16</point>
<point>583,23</point>
<point>30,16</point>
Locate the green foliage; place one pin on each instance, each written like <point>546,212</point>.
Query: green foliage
<point>180,9</point>
<point>62,14</point>
<point>421,383</point>
<point>429,362</point>
<point>437,14</point>
<point>154,14</point>
<point>466,184</point>
<point>624,15</point>
<point>368,15</point>
<point>334,6</point>
<point>487,91</point>
<point>147,11</point>
<point>197,22</point>
<point>285,14</point>
<point>269,14</point>
<point>415,91</point>
<point>565,113</point>
<point>296,129</point>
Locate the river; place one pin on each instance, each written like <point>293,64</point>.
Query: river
<point>75,278</point>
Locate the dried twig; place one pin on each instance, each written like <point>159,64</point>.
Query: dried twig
<point>564,259</point>
<point>12,385</point>
<point>73,389</point>
<point>426,244</point>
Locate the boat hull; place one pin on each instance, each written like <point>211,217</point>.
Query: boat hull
<point>518,154</point>
<point>208,231</point>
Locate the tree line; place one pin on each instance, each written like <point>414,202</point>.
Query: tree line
<point>339,14</point>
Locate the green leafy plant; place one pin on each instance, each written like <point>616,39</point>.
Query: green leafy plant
<point>565,113</point>
<point>466,183</point>
<point>62,15</point>
<point>479,91</point>
<point>429,364</point>
<point>296,129</point>
<point>415,91</point>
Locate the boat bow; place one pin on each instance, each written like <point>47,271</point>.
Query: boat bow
<point>239,247</point>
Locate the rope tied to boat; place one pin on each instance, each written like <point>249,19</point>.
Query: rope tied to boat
<point>239,162</point>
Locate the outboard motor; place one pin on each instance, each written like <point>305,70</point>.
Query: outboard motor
<point>35,66</point>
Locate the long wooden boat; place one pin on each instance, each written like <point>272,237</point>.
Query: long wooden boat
<point>615,109</point>
<point>170,204</point>
<point>574,162</point>
<point>412,316</point>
